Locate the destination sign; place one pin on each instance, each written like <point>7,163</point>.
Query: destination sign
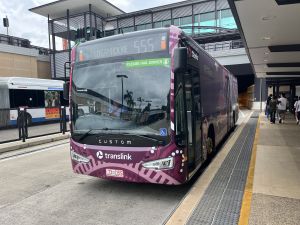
<point>122,46</point>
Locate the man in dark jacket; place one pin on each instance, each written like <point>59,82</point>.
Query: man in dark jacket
<point>268,105</point>
<point>273,108</point>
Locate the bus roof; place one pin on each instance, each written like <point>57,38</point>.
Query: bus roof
<point>31,83</point>
<point>125,35</point>
<point>145,41</point>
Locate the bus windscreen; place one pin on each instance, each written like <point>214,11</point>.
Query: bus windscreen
<point>131,45</point>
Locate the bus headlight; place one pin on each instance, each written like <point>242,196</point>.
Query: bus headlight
<point>79,158</point>
<point>160,164</point>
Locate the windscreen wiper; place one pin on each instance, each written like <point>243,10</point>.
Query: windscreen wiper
<point>83,136</point>
<point>138,135</point>
<point>146,137</point>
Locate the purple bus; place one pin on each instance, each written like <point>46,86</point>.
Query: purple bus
<point>147,106</point>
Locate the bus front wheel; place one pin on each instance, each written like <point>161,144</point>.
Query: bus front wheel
<point>210,143</point>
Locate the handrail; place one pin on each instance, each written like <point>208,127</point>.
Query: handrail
<point>225,45</point>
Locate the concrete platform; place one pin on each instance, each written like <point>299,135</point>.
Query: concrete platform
<point>272,190</point>
<point>276,184</point>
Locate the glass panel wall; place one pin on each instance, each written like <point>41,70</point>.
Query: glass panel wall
<point>110,32</point>
<point>207,19</point>
<point>162,23</point>
<point>184,21</point>
<point>126,29</point>
<point>144,26</point>
<point>227,20</point>
<point>224,19</point>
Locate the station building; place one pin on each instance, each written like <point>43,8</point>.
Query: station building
<point>19,58</point>
<point>209,22</point>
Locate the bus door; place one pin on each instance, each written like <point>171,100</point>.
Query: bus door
<point>197,114</point>
<point>228,105</point>
<point>190,118</point>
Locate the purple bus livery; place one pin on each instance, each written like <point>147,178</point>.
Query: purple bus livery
<point>148,106</point>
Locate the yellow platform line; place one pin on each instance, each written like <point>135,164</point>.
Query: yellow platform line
<point>246,204</point>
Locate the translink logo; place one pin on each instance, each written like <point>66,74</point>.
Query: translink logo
<point>100,155</point>
<point>120,156</point>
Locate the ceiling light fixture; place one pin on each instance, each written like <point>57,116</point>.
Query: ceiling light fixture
<point>265,60</point>
<point>266,38</point>
<point>265,18</point>
<point>267,53</point>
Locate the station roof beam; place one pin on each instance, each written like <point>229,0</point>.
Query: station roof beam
<point>271,36</point>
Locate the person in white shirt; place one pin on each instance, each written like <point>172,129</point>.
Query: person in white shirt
<point>297,110</point>
<point>282,101</point>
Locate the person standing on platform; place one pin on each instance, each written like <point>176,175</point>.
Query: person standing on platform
<point>297,110</point>
<point>273,108</point>
<point>282,101</point>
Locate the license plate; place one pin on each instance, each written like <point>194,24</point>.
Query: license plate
<point>114,173</point>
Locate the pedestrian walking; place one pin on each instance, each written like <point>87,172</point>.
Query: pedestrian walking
<point>267,112</point>
<point>282,102</point>
<point>273,108</point>
<point>297,110</point>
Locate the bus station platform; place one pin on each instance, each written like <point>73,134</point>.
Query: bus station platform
<point>254,179</point>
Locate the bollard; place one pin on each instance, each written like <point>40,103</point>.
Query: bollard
<point>19,124</point>
<point>22,123</point>
<point>25,123</point>
<point>63,120</point>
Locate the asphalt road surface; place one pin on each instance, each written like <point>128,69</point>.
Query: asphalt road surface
<point>40,188</point>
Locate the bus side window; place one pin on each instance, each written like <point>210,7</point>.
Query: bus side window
<point>12,98</point>
<point>63,102</point>
<point>40,102</point>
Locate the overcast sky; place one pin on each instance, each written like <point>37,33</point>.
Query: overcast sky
<point>25,24</point>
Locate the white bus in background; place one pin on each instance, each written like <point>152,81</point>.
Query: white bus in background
<point>42,99</point>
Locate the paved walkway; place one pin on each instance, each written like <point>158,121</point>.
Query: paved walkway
<point>276,184</point>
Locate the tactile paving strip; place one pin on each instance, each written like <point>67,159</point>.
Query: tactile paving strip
<point>222,200</point>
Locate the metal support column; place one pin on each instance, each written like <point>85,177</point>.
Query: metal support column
<point>69,34</point>
<point>293,96</point>
<point>96,28</point>
<point>49,31</point>
<point>91,27</point>
<point>152,20</point>
<point>49,39</point>
<point>216,14</point>
<point>84,27</point>
<point>118,30</point>
<point>103,29</point>
<point>193,19</point>
<point>54,49</point>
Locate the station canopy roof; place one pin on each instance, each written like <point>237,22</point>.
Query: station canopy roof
<point>59,8</point>
<point>271,34</point>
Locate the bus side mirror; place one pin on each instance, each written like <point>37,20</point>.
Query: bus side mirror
<point>66,90</point>
<point>180,60</point>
